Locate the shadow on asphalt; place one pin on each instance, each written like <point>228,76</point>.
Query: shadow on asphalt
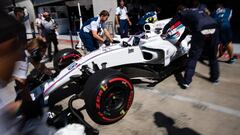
<point>199,75</point>
<point>161,120</point>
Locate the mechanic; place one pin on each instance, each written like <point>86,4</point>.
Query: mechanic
<point>122,20</point>
<point>49,26</point>
<point>21,65</point>
<point>200,6</point>
<point>31,52</point>
<point>12,44</point>
<point>149,17</point>
<point>223,15</point>
<point>34,51</point>
<point>204,35</point>
<point>91,29</point>
<point>38,22</point>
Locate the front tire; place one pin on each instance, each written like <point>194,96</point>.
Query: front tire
<point>108,95</point>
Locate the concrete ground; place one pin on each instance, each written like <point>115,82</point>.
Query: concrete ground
<point>203,108</point>
<point>166,109</point>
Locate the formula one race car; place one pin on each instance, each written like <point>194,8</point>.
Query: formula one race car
<point>104,77</point>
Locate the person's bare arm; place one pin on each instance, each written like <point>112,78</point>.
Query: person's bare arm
<point>107,34</point>
<point>96,36</point>
<point>129,22</point>
<point>116,19</point>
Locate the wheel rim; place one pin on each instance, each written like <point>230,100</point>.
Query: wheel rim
<point>114,99</point>
<point>111,99</point>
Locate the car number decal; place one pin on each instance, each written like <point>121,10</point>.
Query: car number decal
<point>72,66</point>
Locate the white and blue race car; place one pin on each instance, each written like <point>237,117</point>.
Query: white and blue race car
<point>105,77</point>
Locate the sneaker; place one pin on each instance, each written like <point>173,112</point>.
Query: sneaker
<point>215,82</point>
<point>183,85</point>
<point>186,85</point>
<point>231,60</point>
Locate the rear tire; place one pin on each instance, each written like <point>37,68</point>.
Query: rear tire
<point>65,57</point>
<point>108,95</point>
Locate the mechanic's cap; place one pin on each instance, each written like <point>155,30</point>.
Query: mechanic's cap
<point>10,28</point>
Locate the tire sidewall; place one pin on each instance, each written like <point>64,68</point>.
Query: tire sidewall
<point>97,94</point>
<point>61,54</point>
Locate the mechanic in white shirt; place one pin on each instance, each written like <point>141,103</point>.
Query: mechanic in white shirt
<point>122,19</point>
<point>89,33</point>
<point>48,27</point>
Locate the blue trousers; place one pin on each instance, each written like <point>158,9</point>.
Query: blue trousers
<point>200,43</point>
<point>88,40</point>
<point>123,28</point>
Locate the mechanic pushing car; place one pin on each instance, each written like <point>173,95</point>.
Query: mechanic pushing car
<point>91,29</point>
<point>204,33</point>
<point>149,17</point>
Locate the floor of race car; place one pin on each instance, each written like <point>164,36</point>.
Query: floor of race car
<point>204,108</point>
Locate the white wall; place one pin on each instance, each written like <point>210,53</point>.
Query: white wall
<point>109,5</point>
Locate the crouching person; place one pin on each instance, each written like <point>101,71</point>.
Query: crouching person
<point>34,51</point>
<point>89,33</point>
<point>11,46</point>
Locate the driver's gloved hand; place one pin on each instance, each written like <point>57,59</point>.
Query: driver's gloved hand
<point>106,42</point>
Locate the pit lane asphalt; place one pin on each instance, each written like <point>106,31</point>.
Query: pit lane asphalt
<point>204,108</point>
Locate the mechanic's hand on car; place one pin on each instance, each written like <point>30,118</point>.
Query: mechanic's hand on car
<point>106,42</point>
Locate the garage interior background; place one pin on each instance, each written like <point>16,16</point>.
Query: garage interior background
<point>65,12</point>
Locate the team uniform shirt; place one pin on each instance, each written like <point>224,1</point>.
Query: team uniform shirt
<point>122,13</point>
<point>223,16</point>
<point>48,26</point>
<point>145,18</point>
<point>195,20</point>
<point>93,24</point>
<point>21,66</point>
